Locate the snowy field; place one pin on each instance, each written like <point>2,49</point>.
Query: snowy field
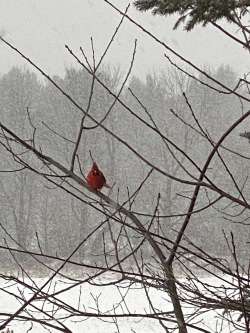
<point>107,297</point>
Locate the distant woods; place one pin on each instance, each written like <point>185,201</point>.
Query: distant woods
<point>36,215</point>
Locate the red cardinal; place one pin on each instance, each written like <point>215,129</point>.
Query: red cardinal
<point>95,178</point>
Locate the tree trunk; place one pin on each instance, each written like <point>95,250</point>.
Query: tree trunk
<point>175,299</point>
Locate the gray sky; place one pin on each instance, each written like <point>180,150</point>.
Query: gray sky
<point>42,28</point>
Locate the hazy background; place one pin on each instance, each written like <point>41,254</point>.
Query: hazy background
<point>42,28</point>
<point>32,211</point>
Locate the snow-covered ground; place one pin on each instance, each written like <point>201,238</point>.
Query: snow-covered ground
<point>86,298</point>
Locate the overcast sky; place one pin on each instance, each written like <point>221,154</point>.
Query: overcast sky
<point>41,28</point>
